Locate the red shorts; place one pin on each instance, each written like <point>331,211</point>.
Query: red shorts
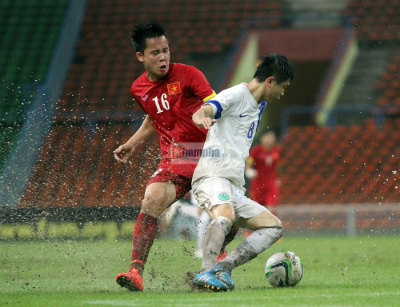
<point>168,172</point>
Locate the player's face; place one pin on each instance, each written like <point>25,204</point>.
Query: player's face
<point>268,140</point>
<point>155,57</point>
<point>274,90</point>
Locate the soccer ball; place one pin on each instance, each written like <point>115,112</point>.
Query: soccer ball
<point>284,269</point>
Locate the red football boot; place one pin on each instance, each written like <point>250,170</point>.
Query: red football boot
<point>222,255</point>
<point>131,280</point>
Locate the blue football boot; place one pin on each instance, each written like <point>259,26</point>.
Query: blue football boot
<point>224,275</point>
<point>209,281</point>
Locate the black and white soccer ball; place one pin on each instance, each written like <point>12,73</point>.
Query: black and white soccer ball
<point>284,269</point>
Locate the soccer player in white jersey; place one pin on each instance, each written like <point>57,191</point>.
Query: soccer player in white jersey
<point>232,118</point>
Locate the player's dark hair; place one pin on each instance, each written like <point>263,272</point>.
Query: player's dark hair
<point>144,30</point>
<point>276,65</point>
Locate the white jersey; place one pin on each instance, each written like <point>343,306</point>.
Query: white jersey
<point>229,140</point>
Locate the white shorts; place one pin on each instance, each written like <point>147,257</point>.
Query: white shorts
<point>212,191</point>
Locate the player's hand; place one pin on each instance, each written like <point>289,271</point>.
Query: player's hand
<point>123,153</point>
<point>203,117</point>
<point>206,122</point>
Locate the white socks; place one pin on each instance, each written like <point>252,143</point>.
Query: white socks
<point>213,240</point>
<point>253,245</point>
<point>202,225</point>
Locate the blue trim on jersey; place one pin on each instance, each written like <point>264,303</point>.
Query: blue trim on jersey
<point>261,108</point>
<point>218,106</point>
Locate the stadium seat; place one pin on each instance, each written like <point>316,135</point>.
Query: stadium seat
<point>358,164</point>
<point>388,86</point>
<point>375,20</point>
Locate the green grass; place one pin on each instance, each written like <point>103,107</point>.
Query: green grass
<point>361,271</point>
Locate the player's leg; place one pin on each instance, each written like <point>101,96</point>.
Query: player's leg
<point>168,216</point>
<point>218,229</point>
<point>267,229</point>
<point>202,226</point>
<point>215,196</point>
<point>228,239</point>
<point>222,216</point>
<point>189,210</point>
<point>158,196</point>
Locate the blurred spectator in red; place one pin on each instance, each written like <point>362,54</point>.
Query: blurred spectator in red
<point>262,170</point>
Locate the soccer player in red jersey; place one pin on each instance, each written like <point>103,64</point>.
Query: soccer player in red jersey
<point>169,93</point>
<point>261,168</point>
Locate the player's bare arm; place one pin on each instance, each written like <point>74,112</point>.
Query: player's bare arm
<point>126,150</point>
<point>203,117</point>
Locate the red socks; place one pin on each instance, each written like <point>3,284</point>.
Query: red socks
<point>143,238</point>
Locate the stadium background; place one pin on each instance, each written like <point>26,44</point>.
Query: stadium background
<point>66,68</point>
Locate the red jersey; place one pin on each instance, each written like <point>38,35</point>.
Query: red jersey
<point>265,162</point>
<point>170,103</point>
